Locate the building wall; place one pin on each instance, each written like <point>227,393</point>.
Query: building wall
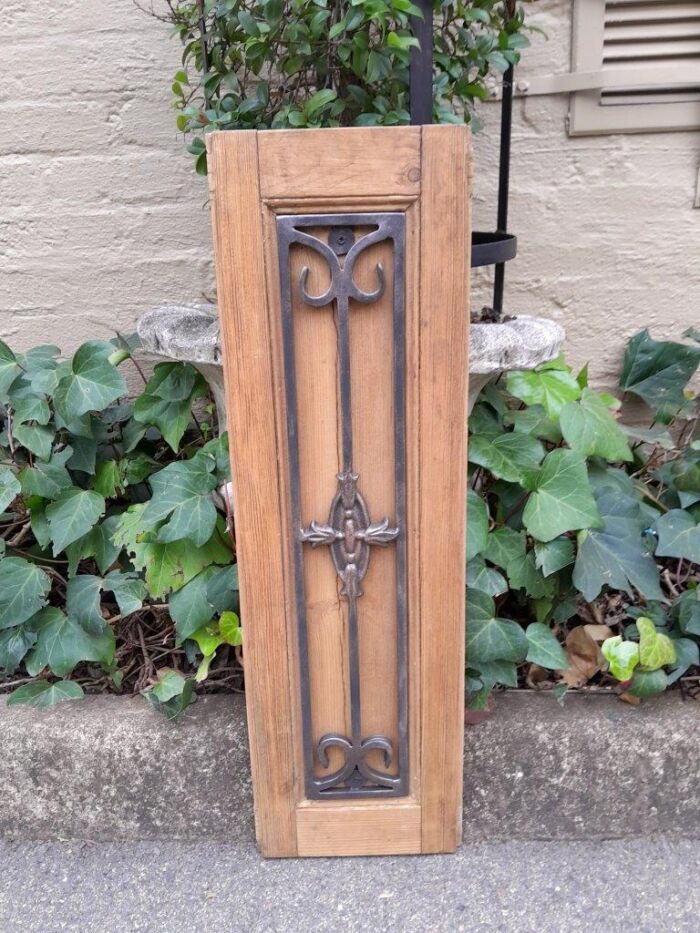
<point>102,217</point>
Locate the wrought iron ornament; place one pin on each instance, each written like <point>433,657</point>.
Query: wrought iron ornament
<point>349,532</point>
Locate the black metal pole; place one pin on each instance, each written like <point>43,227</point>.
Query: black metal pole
<point>503,181</point>
<point>205,51</point>
<point>421,69</point>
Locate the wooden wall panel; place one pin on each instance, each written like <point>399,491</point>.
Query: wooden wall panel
<point>424,173</point>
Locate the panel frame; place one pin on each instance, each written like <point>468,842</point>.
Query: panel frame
<point>255,175</point>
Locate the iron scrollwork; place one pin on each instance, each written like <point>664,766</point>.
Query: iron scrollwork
<point>349,532</point>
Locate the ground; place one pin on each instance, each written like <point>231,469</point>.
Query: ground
<point>640,886</point>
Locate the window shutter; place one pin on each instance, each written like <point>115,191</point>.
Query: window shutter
<point>655,38</point>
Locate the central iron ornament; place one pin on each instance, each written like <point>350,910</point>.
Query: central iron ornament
<point>349,532</point>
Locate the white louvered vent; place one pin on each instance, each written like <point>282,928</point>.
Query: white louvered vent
<point>654,33</point>
<point>615,39</point>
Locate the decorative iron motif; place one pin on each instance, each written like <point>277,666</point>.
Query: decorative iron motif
<point>349,532</point>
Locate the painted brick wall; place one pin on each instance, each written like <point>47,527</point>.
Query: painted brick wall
<point>102,217</point>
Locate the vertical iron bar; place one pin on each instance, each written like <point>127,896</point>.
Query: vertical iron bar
<point>503,181</point>
<point>205,51</point>
<point>421,68</point>
<point>343,306</point>
<point>344,379</point>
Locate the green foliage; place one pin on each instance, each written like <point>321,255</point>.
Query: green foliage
<point>171,694</point>
<point>303,63</point>
<point>105,507</point>
<point>582,515</point>
<point>40,694</point>
<point>120,507</point>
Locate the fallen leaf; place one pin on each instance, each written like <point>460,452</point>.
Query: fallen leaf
<point>582,648</point>
<point>537,676</point>
<point>630,698</point>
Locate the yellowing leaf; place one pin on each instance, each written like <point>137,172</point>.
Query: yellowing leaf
<point>622,657</point>
<point>655,648</point>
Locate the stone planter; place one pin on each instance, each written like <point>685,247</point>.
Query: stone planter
<point>191,333</point>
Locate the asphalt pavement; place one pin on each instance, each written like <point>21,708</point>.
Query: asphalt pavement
<point>168,887</point>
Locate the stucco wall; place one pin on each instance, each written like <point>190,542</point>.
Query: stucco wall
<point>102,217</point>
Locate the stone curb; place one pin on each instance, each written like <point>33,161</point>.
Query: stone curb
<point>109,768</point>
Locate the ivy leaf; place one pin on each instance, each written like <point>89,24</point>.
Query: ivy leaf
<point>658,372</point>
<point>544,648</point>
<point>551,388</point>
<point>23,590</point>
<point>507,454</point>
<point>72,515</point>
<point>679,536</point>
<point>159,405</point>
<point>615,556</point>
<point>523,574</point>
<point>29,407</point>
<point>497,672</point>
<point>42,695</point>
<point>84,454</point>
<point>590,429</point>
<point>37,516</point>
<point>655,649</point>
<point>687,655</point>
<point>484,578</point>
<point>477,524</point>
<point>170,566</point>
<point>10,487</point>
<point>92,383</point>
<point>182,492</point>
<point>648,683</point>
<point>230,628</point>
<point>504,545</point>
<point>534,421</point>
<point>47,480</point>
<point>84,597</point>
<point>210,637</point>
<point>488,637</point>
<point>40,369</point>
<point>107,479</point>
<point>190,608</point>
<point>83,602</point>
<point>171,694</point>
<point>14,644</point>
<point>687,612</point>
<point>551,556</point>
<point>222,588</point>
<point>9,368</point>
<point>62,643</point>
<point>561,499</point>
<point>35,438</point>
<point>622,657</point>
<point>128,589</point>
<point>96,543</point>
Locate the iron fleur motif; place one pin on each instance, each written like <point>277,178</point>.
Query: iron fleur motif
<point>349,532</point>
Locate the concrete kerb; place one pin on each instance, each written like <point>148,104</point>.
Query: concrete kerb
<point>109,768</point>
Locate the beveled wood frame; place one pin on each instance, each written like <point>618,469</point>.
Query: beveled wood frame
<point>424,172</point>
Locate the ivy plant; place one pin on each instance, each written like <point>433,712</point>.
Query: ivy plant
<point>303,63</point>
<point>105,505</point>
<point>584,532</point>
<point>583,535</point>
